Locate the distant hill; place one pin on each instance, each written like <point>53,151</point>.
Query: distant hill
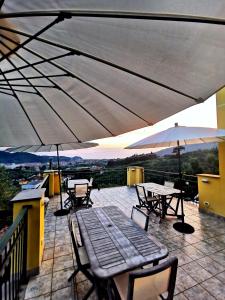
<point>23,157</point>
<point>188,148</point>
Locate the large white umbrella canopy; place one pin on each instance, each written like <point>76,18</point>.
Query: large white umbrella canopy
<point>177,136</point>
<point>183,134</point>
<point>83,70</point>
<point>50,148</point>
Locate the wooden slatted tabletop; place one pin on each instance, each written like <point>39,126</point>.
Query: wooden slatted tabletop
<point>114,243</point>
<point>159,189</point>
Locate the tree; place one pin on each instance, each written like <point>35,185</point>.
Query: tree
<point>7,189</point>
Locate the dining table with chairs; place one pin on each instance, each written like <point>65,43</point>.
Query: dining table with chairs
<point>164,194</point>
<point>115,245</point>
<point>78,191</point>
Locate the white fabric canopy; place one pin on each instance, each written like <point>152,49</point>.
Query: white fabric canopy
<point>185,136</point>
<point>103,68</point>
<point>49,148</point>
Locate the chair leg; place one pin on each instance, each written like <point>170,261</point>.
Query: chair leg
<point>73,274</point>
<point>109,290</point>
<point>155,263</point>
<point>88,275</point>
<point>89,292</point>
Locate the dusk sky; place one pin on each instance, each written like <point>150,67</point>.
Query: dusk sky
<point>203,115</point>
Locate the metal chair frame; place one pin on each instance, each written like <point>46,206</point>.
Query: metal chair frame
<point>80,267</point>
<point>143,213</point>
<point>149,203</point>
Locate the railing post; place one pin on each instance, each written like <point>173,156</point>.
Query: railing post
<point>0,276</point>
<point>24,266</point>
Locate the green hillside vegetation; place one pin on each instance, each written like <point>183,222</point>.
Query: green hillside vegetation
<point>8,190</point>
<point>201,161</point>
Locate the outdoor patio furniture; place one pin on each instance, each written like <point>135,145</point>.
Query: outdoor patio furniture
<point>91,181</point>
<point>80,194</point>
<point>72,182</point>
<point>169,184</point>
<point>79,191</point>
<point>169,198</point>
<point>115,244</point>
<point>163,192</point>
<point>147,284</point>
<point>83,264</point>
<point>90,188</point>
<point>151,203</point>
<point>140,218</point>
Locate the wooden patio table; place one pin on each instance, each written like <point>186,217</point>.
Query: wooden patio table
<point>114,243</point>
<point>70,190</point>
<point>163,191</point>
<point>72,182</point>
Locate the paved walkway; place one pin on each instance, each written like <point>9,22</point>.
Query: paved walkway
<point>201,272</point>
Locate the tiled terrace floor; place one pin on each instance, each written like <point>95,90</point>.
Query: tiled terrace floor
<point>201,272</point>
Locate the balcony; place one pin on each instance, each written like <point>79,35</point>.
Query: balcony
<point>201,272</point>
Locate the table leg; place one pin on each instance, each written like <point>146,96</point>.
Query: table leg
<point>101,289</point>
<point>163,207</point>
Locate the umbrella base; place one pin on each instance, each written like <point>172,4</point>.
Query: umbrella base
<point>183,227</point>
<point>61,212</point>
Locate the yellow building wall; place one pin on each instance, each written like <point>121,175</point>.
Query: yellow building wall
<point>35,238</point>
<point>212,193</point>
<point>56,183</point>
<point>135,175</point>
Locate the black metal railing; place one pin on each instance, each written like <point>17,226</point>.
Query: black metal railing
<point>110,177</point>
<point>13,257</point>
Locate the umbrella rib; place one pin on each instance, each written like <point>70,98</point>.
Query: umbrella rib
<point>23,108</point>
<point>41,95</point>
<point>80,79</point>
<point>68,95</point>
<point>47,60</point>
<point>39,148</point>
<point>26,85</point>
<point>117,15</point>
<point>90,85</point>
<point>34,77</point>
<point>16,90</point>
<point>103,61</point>
<point>60,17</point>
<point>6,93</point>
<point>68,73</point>
<point>1,3</point>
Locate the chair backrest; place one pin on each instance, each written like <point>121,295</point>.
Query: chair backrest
<point>140,192</point>
<point>91,181</point>
<point>154,281</point>
<point>74,241</point>
<point>140,218</point>
<point>66,182</point>
<point>169,184</point>
<point>81,190</point>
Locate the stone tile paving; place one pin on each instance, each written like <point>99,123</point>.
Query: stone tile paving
<point>201,272</point>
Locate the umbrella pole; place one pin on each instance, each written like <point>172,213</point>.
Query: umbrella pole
<point>61,211</point>
<point>181,226</point>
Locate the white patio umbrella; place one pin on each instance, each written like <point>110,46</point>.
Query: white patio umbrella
<point>177,136</point>
<point>83,70</point>
<point>57,148</point>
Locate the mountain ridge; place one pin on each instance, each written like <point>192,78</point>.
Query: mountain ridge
<point>188,148</point>
<point>24,157</point>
